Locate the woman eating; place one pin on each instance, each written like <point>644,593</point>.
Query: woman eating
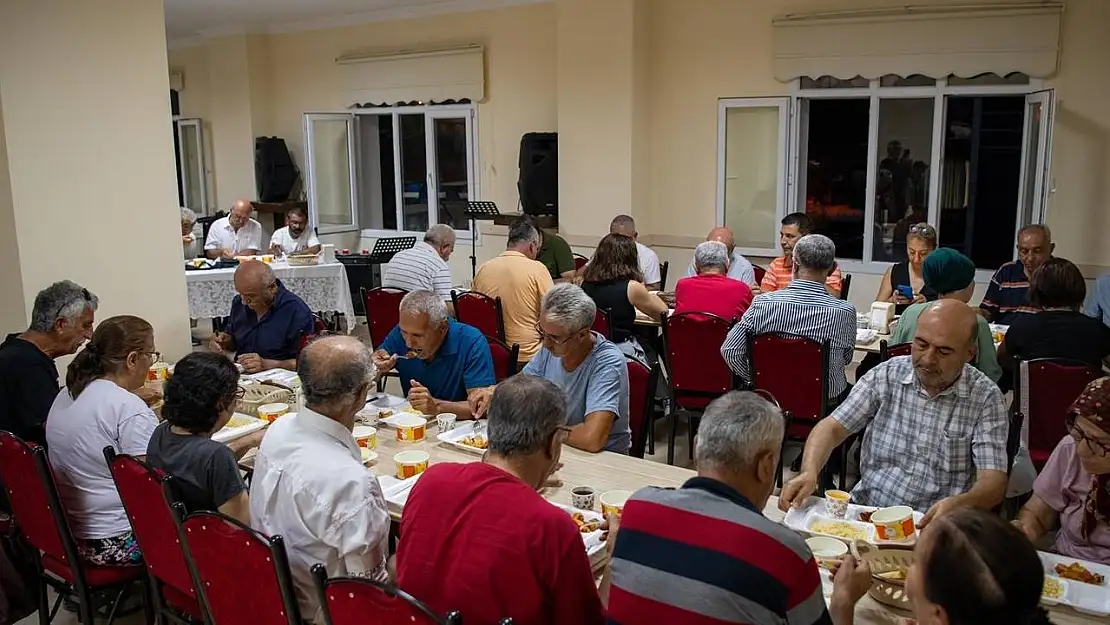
<point>98,408</point>
<point>613,280</point>
<point>1073,489</point>
<point>200,399</point>
<point>920,242</point>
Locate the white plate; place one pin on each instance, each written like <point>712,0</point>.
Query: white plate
<point>397,491</point>
<point>1086,598</point>
<point>593,541</point>
<point>813,510</point>
<point>386,401</point>
<point>392,420</point>
<point>228,433</point>
<point>454,437</point>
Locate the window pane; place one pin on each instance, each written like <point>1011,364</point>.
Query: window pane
<point>452,171</point>
<point>377,186</point>
<point>192,176</point>
<point>1015,78</point>
<point>414,172</point>
<point>332,171</point>
<point>913,80</point>
<point>1029,192</point>
<point>831,82</point>
<point>752,156</point>
<point>902,183</point>
<point>835,157</point>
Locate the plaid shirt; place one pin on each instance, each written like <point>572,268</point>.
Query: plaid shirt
<point>919,449</point>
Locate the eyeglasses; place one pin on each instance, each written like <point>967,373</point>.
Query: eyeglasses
<point>155,355</point>
<point>544,336</point>
<point>1097,446</point>
<point>240,393</point>
<point>84,293</point>
<point>923,230</point>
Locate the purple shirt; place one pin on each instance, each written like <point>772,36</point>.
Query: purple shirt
<point>1063,485</point>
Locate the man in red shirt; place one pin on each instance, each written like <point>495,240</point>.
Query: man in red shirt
<point>480,539</point>
<point>711,290</point>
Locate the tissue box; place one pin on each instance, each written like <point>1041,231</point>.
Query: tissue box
<point>881,315</point>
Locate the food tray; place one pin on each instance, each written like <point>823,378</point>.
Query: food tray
<point>239,426</point>
<point>593,541</point>
<point>394,490</point>
<point>813,511</point>
<point>376,403</point>
<point>454,437</point>
<point>1085,598</point>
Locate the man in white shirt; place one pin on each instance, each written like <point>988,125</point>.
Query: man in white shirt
<point>423,267</point>
<point>234,235</point>
<point>739,268</point>
<point>649,262</point>
<point>309,482</point>
<point>296,237</point>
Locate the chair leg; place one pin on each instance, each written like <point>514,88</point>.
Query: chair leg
<point>151,608</point>
<point>117,601</point>
<point>45,613</point>
<point>670,440</point>
<point>86,612</point>
<point>650,427</point>
<point>690,437</point>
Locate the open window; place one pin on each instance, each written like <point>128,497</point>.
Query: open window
<point>190,157</point>
<point>330,155</point>
<point>1035,187</point>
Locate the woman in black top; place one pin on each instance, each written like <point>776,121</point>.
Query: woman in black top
<point>920,242</point>
<point>614,282</point>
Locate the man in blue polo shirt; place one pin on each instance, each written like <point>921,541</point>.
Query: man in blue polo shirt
<point>1007,297</point>
<point>266,321</point>
<point>441,362</point>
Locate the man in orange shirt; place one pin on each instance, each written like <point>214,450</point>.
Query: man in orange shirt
<point>781,270</point>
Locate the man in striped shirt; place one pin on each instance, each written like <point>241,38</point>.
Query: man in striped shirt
<point>704,554</point>
<point>803,308</point>
<point>423,267</point>
<point>1007,297</point>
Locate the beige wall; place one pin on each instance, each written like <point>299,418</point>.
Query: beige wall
<point>13,317</point>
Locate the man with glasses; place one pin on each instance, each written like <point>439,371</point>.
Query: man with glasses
<point>1007,297</point>
<point>234,235</point>
<point>266,322</point>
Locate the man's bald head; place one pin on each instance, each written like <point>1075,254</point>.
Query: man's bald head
<point>240,212</point>
<point>946,339</point>
<point>724,235</point>
<point>256,285</point>
<point>623,224</point>
<point>953,315</point>
<point>335,375</point>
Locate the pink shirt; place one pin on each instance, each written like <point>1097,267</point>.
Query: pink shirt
<point>1063,484</point>
<point>713,293</point>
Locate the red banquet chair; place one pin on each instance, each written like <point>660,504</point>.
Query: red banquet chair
<point>319,329</point>
<point>1044,389</point>
<point>246,575</point>
<point>352,600</point>
<point>505,358</point>
<point>602,322</point>
<point>641,403</point>
<point>697,372</point>
<point>148,499</point>
<point>40,517</point>
<point>759,273</point>
<point>383,311</point>
<point>480,311</point>
<point>887,351</point>
<point>580,261</point>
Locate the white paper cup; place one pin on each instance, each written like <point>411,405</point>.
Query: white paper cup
<point>894,523</point>
<point>612,502</point>
<point>446,421</point>
<point>366,437</point>
<point>411,463</point>
<point>271,412</point>
<point>827,550</point>
<point>411,428</point>
<point>582,497</point>
<point>836,503</point>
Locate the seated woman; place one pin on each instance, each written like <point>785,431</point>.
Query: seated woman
<point>200,399</point>
<point>98,408</point>
<point>920,242</point>
<point>1073,489</point>
<point>613,280</point>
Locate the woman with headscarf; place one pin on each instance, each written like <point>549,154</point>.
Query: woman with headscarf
<point>1073,489</point>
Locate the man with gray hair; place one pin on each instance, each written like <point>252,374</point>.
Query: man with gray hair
<point>441,362</point>
<point>712,290</point>
<point>648,260</point>
<point>189,246</point>
<point>804,308</point>
<point>737,452</point>
<point>61,320</point>
<point>464,521</point>
<point>310,485</point>
<point>423,267</point>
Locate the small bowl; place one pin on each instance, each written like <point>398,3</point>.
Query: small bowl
<point>894,524</point>
<point>827,550</point>
<point>582,497</point>
<point>411,463</point>
<point>366,437</point>
<point>612,501</point>
<point>411,428</point>
<point>445,421</point>
<point>271,412</point>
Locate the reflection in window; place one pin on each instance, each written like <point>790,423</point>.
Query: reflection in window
<point>377,189</point>
<point>988,80</point>
<point>835,154</point>
<point>452,171</point>
<point>414,173</point>
<point>913,80</point>
<point>832,82</point>
<point>902,177</point>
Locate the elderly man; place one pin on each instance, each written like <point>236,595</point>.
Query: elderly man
<point>189,245</point>
<point>463,522</point>
<point>721,515</point>
<point>738,267</point>
<point>588,367</point>
<point>781,271</point>
<point>61,320</point>
<point>234,235</point>
<point>310,485</point>
<point>441,362</point>
<point>804,308</point>
<point>1007,297</point>
<point>521,282</point>
<point>266,322</point>
<point>296,237</point>
<point>423,267</point>
<point>713,289</point>
<point>935,426</point>
<point>649,262</point>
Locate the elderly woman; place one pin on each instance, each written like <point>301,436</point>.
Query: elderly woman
<point>921,241</point>
<point>712,290</point>
<point>1073,489</point>
<point>614,281</point>
<point>189,244</point>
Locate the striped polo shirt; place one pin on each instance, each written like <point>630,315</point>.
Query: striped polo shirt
<point>704,555</point>
<point>418,268</point>
<point>1007,297</point>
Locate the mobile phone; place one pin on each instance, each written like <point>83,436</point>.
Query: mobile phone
<point>905,291</point>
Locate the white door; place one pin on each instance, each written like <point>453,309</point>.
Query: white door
<point>190,146</point>
<point>1036,151</point>
<point>450,140</point>
<point>330,160</point>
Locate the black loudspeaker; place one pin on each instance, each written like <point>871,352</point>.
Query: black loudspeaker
<point>538,183</point>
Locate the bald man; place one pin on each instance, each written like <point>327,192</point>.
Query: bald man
<point>234,235</point>
<point>266,322</point>
<point>739,268</point>
<point>936,426</point>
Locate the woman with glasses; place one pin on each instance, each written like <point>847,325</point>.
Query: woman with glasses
<point>1073,489</point>
<point>200,399</point>
<point>614,282</point>
<point>907,277</point>
<point>98,408</point>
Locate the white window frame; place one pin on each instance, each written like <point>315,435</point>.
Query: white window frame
<point>199,205</point>
<point>309,141</point>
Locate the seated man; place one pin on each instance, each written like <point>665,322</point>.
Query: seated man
<point>310,485</point>
<point>739,268</point>
<point>521,283</point>
<point>649,261</point>
<point>781,270</point>
<point>61,320</point>
<point>720,513</point>
<point>441,361</point>
<point>296,237</point>
<point>423,267</point>
<point>804,308</point>
<point>266,322</point>
<point>1007,297</point>
<point>588,367</point>
<point>234,235</point>
<point>483,527</point>
<point>936,427</point>
<point>713,290</point>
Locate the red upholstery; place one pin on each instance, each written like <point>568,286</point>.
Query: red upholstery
<point>692,343</point>
<point>241,570</point>
<point>30,498</point>
<point>794,370</point>
<point>183,603</point>
<point>601,322</point>
<point>759,273</point>
<point>480,311</point>
<point>887,352</point>
<point>95,576</point>
<point>641,401</point>
<point>580,261</point>
<point>504,358</point>
<point>350,601</point>
<point>1044,390</point>
<point>383,311</point>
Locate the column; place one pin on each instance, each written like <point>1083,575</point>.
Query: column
<point>230,109</point>
<point>12,315</point>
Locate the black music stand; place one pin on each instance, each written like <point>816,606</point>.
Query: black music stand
<point>384,249</point>
<point>475,212</point>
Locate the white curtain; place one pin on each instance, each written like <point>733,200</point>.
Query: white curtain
<point>414,76</point>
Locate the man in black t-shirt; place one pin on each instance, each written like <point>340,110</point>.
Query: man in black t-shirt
<point>62,319</point>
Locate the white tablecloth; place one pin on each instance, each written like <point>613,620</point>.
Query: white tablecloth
<point>323,287</point>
